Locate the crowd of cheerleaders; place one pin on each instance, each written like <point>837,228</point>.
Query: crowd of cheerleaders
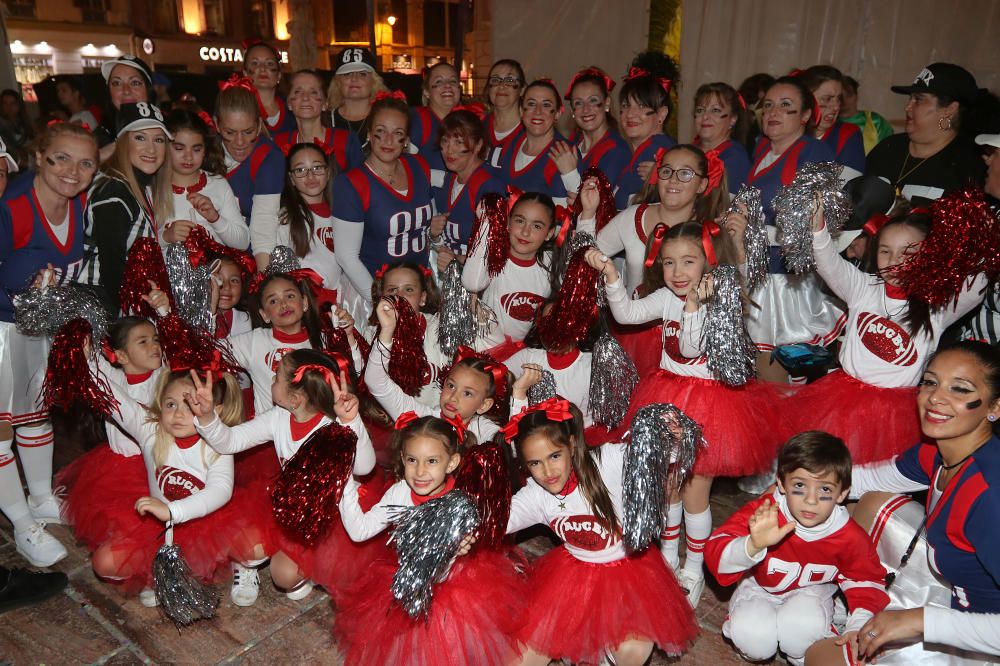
<point>344,338</point>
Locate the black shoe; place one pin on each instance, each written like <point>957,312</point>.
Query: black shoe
<point>20,587</point>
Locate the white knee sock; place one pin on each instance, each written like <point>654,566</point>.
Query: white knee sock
<point>35,446</point>
<point>670,539</point>
<point>12,501</point>
<point>697,528</point>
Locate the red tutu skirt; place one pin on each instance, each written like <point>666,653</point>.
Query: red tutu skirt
<point>577,610</point>
<point>473,618</point>
<point>643,344</point>
<point>876,423</point>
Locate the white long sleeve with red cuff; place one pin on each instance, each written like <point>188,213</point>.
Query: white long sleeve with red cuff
<point>141,392</point>
<point>230,229</point>
<point>259,353</point>
<point>572,382</point>
<point>363,525</point>
<point>431,393</point>
<point>621,233</point>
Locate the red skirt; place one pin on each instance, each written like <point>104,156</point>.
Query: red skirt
<point>472,621</point>
<point>577,610</point>
<point>875,423</point>
<point>643,344</point>
<point>505,349</point>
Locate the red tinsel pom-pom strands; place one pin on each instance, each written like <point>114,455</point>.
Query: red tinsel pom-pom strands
<point>483,476</point>
<point>606,208</point>
<point>144,264</point>
<point>69,377</point>
<point>408,365</point>
<point>569,319</point>
<point>490,227</point>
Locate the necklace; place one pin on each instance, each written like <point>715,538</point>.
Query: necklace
<point>903,173</point>
<point>391,178</point>
<point>885,306</point>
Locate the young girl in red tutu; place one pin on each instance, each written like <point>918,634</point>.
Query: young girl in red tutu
<point>310,390</point>
<point>739,424</point>
<point>473,617</point>
<point>587,598</point>
<point>888,337</point>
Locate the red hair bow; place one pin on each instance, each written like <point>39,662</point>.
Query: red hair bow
<point>659,231</point>
<point>380,273</point>
<point>743,102</point>
<point>57,121</point>
<point>395,94</point>
<point>342,363</point>
<point>405,420</point>
<point>710,230</point>
<point>513,194</point>
<point>495,368</point>
<point>108,352</point>
<point>214,367</point>
<point>639,72</point>
<point>658,158</point>
<point>874,223</point>
<point>308,275</point>
<point>564,216</point>
<point>475,108</point>
<point>556,409</point>
<point>456,423</point>
<point>207,119</point>
<point>609,83</point>
<point>301,371</point>
<point>241,81</point>
<point>716,169</point>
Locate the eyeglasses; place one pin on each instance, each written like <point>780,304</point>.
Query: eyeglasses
<point>507,81</point>
<point>683,175</point>
<point>317,170</point>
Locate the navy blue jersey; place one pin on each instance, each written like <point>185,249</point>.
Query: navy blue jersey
<point>847,144</point>
<point>962,537</point>
<point>261,173</point>
<point>342,144</point>
<point>285,121</point>
<point>734,156</point>
<point>394,223</point>
<point>18,184</point>
<point>540,175</point>
<point>496,144</point>
<point>461,210</point>
<point>424,130</point>
<point>28,244</point>
<point>782,171</point>
<point>628,182</point>
<point>610,154</point>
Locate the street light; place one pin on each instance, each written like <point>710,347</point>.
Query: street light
<point>391,20</point>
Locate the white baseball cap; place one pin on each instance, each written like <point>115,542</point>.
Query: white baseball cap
<point>11,164</point>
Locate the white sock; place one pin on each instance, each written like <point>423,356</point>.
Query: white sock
<point>697,528</point>
<point>35,446</point>
<point>670,539</point>
<point>12,501</point>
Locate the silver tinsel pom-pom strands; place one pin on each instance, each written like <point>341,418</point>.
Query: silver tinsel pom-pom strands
<point>191,287</point>
<point>660,456</point>
<point>283,260</point>
<point>456,320</point>
<point>43,311</point>
<point>613,377</point>
<point>730,353</point>
<point>755,237</point>
<point>183,598</point>
<point>795,205</point>
<point>543,390</point>
<point>427,538</point>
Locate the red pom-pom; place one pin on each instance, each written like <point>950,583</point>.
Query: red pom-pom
<point>69,377</point>
<point>306,494</point>
<point>144,263</point>
<point>202,248</point>
<point>606,207</point>
<point>490,227</point>
<point>484,476</point>
<point>569,319</point>
<point>189,348</point>
<point>408,365</point>
<point>964,241</point>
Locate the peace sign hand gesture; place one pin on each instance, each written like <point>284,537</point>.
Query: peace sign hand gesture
<point>345,403</point>
<point>201,401</point>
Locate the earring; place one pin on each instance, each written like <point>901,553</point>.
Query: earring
<point>947,127</point>
<point>991,418</point>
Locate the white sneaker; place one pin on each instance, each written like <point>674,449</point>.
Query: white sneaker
<point>148,598</point>
<point>692,585</point>
<point>46,508</point>
<point>246,585</point>
<point>38,546</point>
<point>670,556</point>
<point>300,591</point>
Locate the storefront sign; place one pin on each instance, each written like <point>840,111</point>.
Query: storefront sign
<point>226,54</point>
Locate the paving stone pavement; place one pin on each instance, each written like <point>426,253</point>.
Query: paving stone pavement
<point>91,622</point>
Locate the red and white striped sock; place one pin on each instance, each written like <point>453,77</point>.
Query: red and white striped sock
<point>697,529</point>
<point>35,445</point>
<point>670,539</point>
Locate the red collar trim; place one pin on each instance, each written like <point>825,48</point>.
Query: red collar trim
<point>187,442</point>
<point>291,338</point>
<point>544,153</point>
<point>562,361</point>
<point>302,428</point>
<point>638,151</point>
<point>282,110</point>
<point>70,235</point>
<point>423,499</point>
<point>765,149</point>
<point>138,378</point>
<point>322,209</point>
<point>191,189</point>
<point>895,292</point>
<point>571,484</point>
<point>392,190</point>
<point>525,263</point>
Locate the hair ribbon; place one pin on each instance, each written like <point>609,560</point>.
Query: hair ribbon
<point>555,408</point>
<point>716,169</point>
<point>639,72</point>
<point>395,94</point>
<point>709,230</point>
<point>659,231</point>
<point>874,224</point>
<point>609,83</point>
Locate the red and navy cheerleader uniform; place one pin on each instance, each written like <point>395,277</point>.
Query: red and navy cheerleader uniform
<point>627,182</point>
<point>610,154</point>
<point>881,361</point>
<point>473,615</point>
<point>537,173</point>
<point>335,561</point>
<point>588,596</point>
<point>793,308</point>
<point>458,201</point>
<point>376,224</point>
<point>847,144</point>
<point>283,120</point>
<point>741,425</point>
<point>342,144</point>
<point>425,130</point>
<point>499,142</point>
<point>736,160</point>
<point>257,183</point>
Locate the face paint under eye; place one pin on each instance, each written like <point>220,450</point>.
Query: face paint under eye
<point>975,404</point>
<point>825,498</point>
<point>798,492</point>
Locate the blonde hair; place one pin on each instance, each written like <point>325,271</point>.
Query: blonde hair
<point>226,393</point>
<point>56,130</point>
<point>119,166</point>
<point>334,100</point>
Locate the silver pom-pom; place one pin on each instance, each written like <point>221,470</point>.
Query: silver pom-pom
<point>659,457</point>
<point>456,321</point>
<point>182,597</point>
<point>795,204</point>
<point>544,389</point>
<point>283,260</point>
<point>730,353</point>
<point>486,318</point>
<point>427,539</point>
<point>613,377</point>
<point>755,240</point>
<point>191,287</point>
<point>43,311</point>
<point>580,239</point>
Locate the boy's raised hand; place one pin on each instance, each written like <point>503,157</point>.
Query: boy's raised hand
<point>764,529</point>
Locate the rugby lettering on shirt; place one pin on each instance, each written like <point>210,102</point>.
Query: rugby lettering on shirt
<point>886,339</point>
<point>584,532</point>
<point>176,484</point>
<point>273,358</point>
<point>325,236</point>
<point>672,344</point>
<point>521,305</point>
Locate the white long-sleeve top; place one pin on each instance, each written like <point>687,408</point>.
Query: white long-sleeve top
<point>193,481</point>
<point>361,525</point>
<point>625,231</point>
<point>571,518</point>
<point>681,354</point>
<point>320,257</point>
<point>140,391</point>
<point>878,348</point>
<point>275,425</point>
<point>431,393</point>
<point>263,214</point>
<point>572,381</point>
<point>514,295</point>
<point>260,353</point>
<point>979,632</point>
<point>347,237</point>
<point>395,402</point>
<point>230,229</point>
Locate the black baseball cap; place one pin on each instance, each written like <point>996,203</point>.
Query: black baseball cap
<point>131,61</point>
<point>140,116</point>
<point>354,59</point>
<point>943,79</point>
